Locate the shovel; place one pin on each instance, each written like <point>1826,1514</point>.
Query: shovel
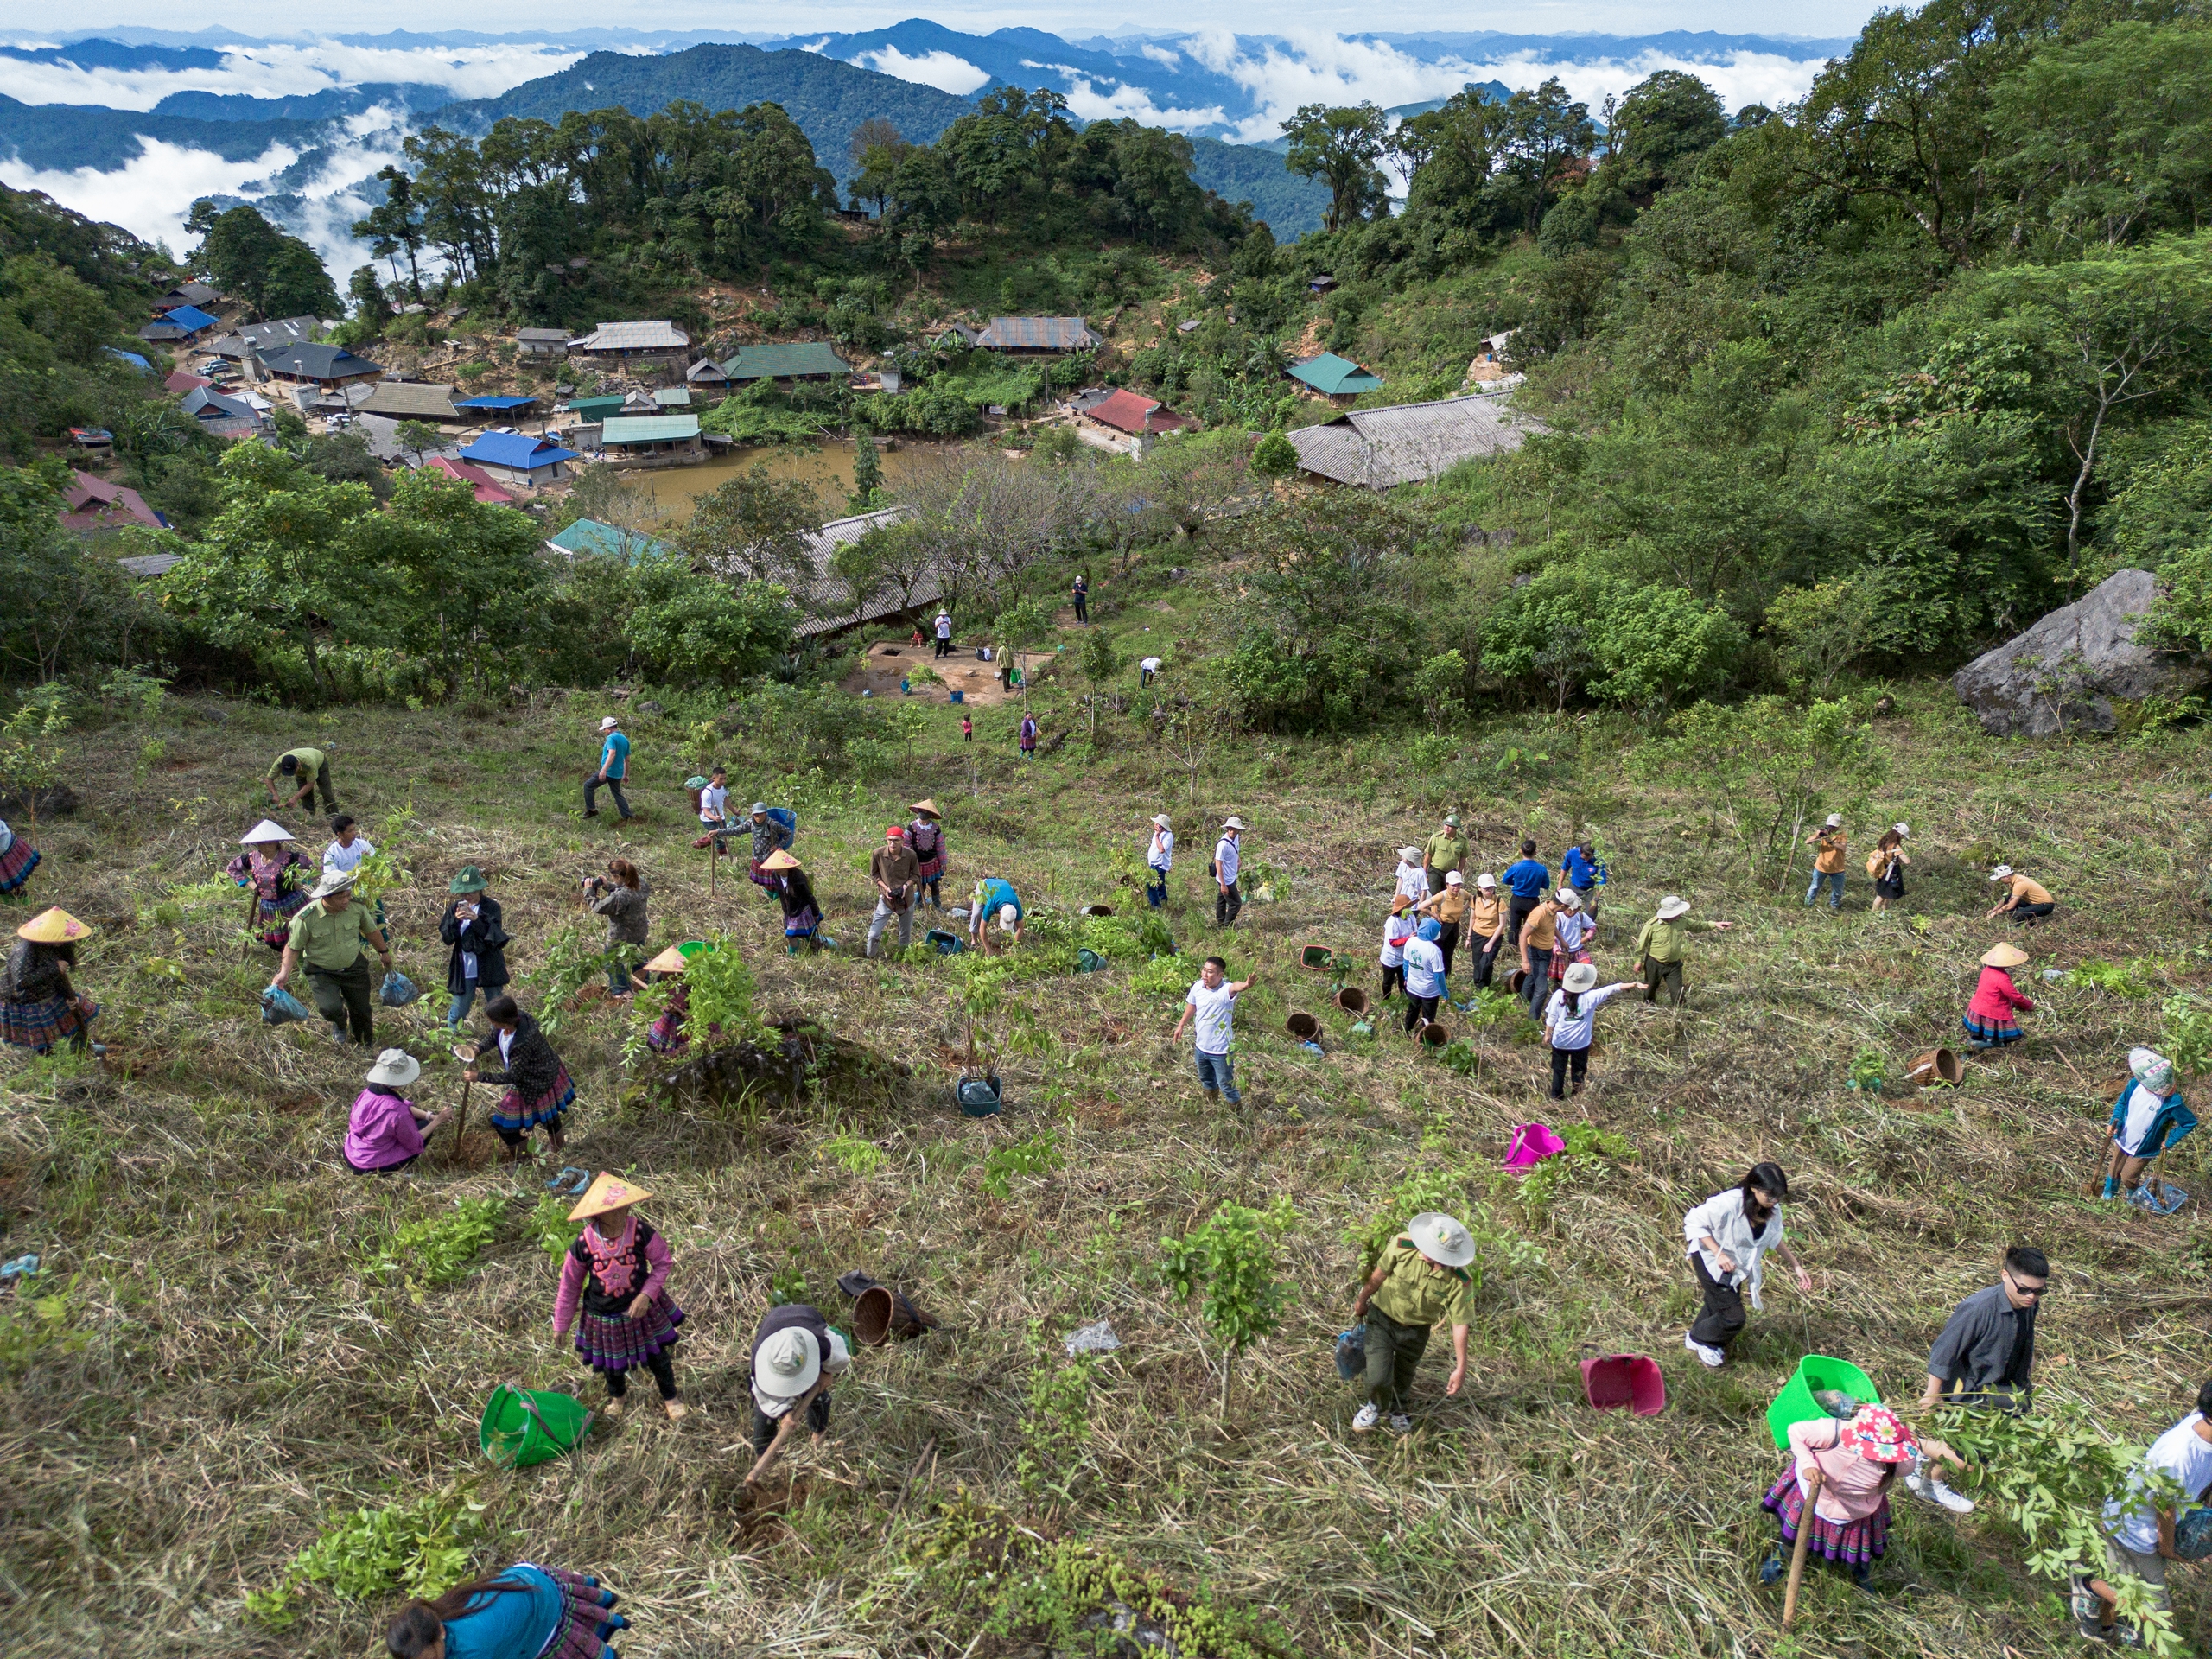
<point>466,1053</point>
<point>1805,1517</point>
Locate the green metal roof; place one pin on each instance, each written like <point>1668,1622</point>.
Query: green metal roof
<point>589,536</point>
<point>781,362</point>
<point>595,408</point>
<point>1334,376</point>
<point>673,398</point>
<point>650,429</point>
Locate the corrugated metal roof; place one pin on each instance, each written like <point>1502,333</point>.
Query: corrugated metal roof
<point>1381,448</point>
<point>781,361</point>
<point>1125,412</point>
<point>649,429</point>
<point>823,597</point>
<point>516,450</point>
<point>593,408</point>
<point>310,360</point>
<point>589,536</point>
<point>560,334</point>
<point>1037,334</point>
<point>408,400</point>
<point>660,336</point>
<point>673,396</point>
<point>1337,376</point>
<point>493,402</point>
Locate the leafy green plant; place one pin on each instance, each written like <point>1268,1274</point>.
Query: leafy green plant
<point>570,962</point>
<point>1164,974</point>
<point>2189,1035</point>
<point>30,744</point>
<point>1868,1067</point>
<point>1232,1258</point>
<point>422,1547</point>
<point>550,1226</point>
<point>2111,977</point>
<point>438,1250</point>
<point>1586,1145</point>
<point>860,1157</point>
<point>1036,1155</point>
<point>1055,1419</point>
<point>39,1324</point>
<point>721,986</point>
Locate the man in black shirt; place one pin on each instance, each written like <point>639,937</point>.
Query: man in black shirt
<point>1988,1350</point>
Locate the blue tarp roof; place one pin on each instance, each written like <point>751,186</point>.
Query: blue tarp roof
<point>190,318</point>
<point>493,402</point>
<point>131,358</point>
<point>589,536</point>
<point>516,449</point>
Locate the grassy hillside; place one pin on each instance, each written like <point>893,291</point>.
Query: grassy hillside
<point>219,1374</point>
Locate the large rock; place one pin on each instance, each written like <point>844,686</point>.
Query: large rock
<point>2082,659</point>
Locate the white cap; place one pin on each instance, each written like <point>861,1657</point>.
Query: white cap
<point>1485,879</point>
<point>608,724</point>
<point>1453,878</point>
<point>1007,917</point>
<point>1902,829</point>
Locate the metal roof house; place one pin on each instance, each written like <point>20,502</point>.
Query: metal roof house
<point>636,345</point>
<point>706,373</point>
<point>514,457</point>
<point>541,342</point>
<point>185,322</point>
<point>799,361</point>
<point>327,367</point>
<point>198,293</point>
<point>1333,376</point>
<point>485,409</point>
<point>1128,411</point>
<point>242,342</point>
<point>204,404</point>
<point>475,477</point>
<point>1382,449</point>
<point>93,504</point>
<point>408,400</point>
<point>652,440</point>
<point>826,599</point>
<point>1037,335</point>
<point>607,542</point>
<point>673,398</point>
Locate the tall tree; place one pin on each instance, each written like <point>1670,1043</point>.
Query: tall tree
<point>1544,133</point>
<point>1339,147</point>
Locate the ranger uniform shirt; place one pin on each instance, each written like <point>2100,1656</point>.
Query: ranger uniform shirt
<point>1415,1291</point>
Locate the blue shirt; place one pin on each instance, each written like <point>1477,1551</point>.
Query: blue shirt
<point>614,759</point>
<point>997,892</point>
<point>1578,870</point>
<point>1528,879</point>
<point>508,1624</point>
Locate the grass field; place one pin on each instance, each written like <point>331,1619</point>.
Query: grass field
<point>226,1376</point>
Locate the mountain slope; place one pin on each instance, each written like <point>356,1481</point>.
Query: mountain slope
<point>1291,205</point>
<point>69,136</point>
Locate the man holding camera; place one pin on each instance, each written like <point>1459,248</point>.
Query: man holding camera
<point>894,869</point>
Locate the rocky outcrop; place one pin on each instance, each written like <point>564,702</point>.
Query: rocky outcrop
<point>2080,667</point>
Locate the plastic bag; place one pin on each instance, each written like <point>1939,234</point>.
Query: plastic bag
<point>398,991</point>
<point>1352,1352</point>
<point>279,1007</point>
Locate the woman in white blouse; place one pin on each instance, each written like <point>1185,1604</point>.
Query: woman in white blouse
<point>1728,1234</point>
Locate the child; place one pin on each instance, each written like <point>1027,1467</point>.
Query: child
<point>350,848</point>
<point>615,1275</point>
<point>2147,1118</point>
<point>1988,1020</point>
<point>1397,928</point>
<point>967,729</point>
<point>1215,1003</point>
<point>538,1090</point>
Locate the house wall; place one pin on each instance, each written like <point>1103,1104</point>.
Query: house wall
<point>682,453</point>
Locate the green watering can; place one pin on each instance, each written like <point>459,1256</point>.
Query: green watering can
<point>523,1426</point>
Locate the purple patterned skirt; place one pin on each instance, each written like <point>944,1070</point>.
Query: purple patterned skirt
<point>1847,1543</point>
<point>513,1112</point>
<point>40,1026</point>
<point>613,1343</point>
<point>16,865</point>
<point>587,1617</point>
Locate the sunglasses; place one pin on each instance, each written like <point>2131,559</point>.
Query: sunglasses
<point>2028,1290</point>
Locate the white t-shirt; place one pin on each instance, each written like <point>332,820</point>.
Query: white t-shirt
<point>343,859</point>
<point>1424,967</point>
<point>2182,1452</point>
<point>1225,855</point>
<point>1162,856</point>
<point>2142,1111</point>
<point>1150,665</point>
<point>1575,1030</point>
<point>1397,928</point>
<point>713,803</point>
<point>1214,1008</point>
<point>1412,882</point>
<point>944,625</point>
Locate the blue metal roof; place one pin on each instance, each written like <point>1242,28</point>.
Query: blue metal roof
<point>131,358</point>
<point>519,450</point>
<point>589,536</point>
<point>190,318</point>
<point>493,402</point>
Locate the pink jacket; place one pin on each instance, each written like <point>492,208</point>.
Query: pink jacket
<point>381,1131</point>
<point>576,1264</point>
<point>1852,1487</point>
<point>1996,996</point>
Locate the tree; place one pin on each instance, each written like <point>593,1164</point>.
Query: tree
<point>1232,1258</point>
<point>1663,125</point>
<point>1452,152</point>
<point>394,226</point>
<point>868,474</point>
<point>1340,147</point>
<point>417,436</point>
<point>1275,456</point>
<point>685,626</point>
<point>1098,661</point>
<point>1544,133</point>
<point>756,528</point>
<point>1824,629</point>
<point>247,256</point>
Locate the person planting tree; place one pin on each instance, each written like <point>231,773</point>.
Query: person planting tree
<point>1988,1020</point>
<point>526,1612</point>
<point>1856,1463</point>
<point>2141,1532</point>
<point>1422,1282</point>
<point>2025,899</point>
<point>538,1094</point>
<point>1984,1356</point>
<point>1728,1235</point>
<point>304,771</point>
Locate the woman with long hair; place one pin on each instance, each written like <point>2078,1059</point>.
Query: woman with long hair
<point>620,896</point>
<point>1570,1021</point>
<point>1728,1234</point>
<point>1886,866</point>
<point>523,1613</point>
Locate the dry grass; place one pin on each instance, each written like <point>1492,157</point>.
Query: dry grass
<point>242,1383</point>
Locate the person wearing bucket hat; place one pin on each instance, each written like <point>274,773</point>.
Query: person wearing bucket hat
<point>797,1359</point>
<point>613,767</point>
<point>802,912</point>
<point>1857,1462</point>
<point>1419,1281</point>
<point>1885,866</point>
<point>279,875</point>
<point>1828,841</point>
<point>528,1611</point>
<point>476,937</point>
<point>1412,882</point>
<point>1444,853</point>
<point>2025,899</point>
<point>538,1093</point>
<point>18,858</point>
<point>386,1130</point>
<point>1727,1235</point>
<point>1660,947</point>
<point>2149,1117</point>
<point>1159,859</point>
<point>39,1004</point>
<point>332,936</point>
<point>1427,983</point>
<point>891,866</point>
<point>1570,1023</point>
<point>1574,932</point>
<point>1228,861</point>
<point>615,1291</point>
<point>1988,1020</point>
<point>925,836</point>
<point>2142,1531</point>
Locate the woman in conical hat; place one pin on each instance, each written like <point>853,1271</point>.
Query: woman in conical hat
<point>279,875</point>
<point>39,1004</point>
<point>802,914</point>
<point>613,1290</point>
<point>1988,1021</point>
<point>666,1034</point>
<point>926,835</point>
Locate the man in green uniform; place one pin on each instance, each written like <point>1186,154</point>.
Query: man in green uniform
<point>303,770</point>
<point>1422,1282</point>
<point>1660,944</point>
<point>1443,853</point>
<point>333,936</point>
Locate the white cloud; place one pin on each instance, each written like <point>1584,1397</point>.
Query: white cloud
<point>1119,103</point>
<point>150,194</point>
<point>282,69</point>
<point>939,69</point>
<point>1160,55</point>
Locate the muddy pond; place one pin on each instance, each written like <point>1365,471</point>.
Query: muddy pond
<point>670,492</point>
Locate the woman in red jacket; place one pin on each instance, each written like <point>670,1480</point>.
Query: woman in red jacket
<point>1989,1022</point>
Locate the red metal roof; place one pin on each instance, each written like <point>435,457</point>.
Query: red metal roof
<point>178,382</point>
<point>95,504</point>
<point>486,492</point>
<point>1125,412</point>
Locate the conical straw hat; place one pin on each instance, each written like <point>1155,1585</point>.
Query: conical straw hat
<point>927,805</point>
<point>779,860</point>
<point>2007,955</point>
<point>267,830</point>
<point>605,1193</point>
<point>54,926</point>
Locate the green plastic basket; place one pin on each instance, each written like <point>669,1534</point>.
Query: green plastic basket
<point>523,1426</point>
<point>1816,1373</point>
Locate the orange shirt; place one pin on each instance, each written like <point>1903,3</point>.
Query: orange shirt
<point>1537,932</point>
<point>2025,892</point>
<point>1830,861</point>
